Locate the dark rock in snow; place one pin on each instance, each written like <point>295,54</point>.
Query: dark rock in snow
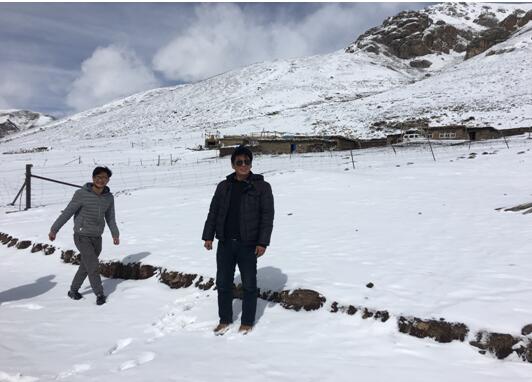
<point>440,331</point>
<point>70,257</point>
<point>420,63</point>
<point>527,329</point>
<point>499,344</point>
<point>204,285</point>
<point>23,244</point>
<point>130,271</point>
<point>7,127</point>
<point>37,248</point>
<point>301,299</point>
<point>176,280</point>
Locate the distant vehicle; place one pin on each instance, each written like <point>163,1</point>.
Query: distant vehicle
<point>414,137</point>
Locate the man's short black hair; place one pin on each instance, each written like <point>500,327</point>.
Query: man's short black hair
<point>100,169</point>
<point>241,150</point>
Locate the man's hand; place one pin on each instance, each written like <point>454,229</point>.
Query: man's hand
<point>208,245</point>
<point>116,240</point>
<point>259,250</point>
<point>51,236</point>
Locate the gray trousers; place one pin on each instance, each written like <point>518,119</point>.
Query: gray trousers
<point>89,249</point>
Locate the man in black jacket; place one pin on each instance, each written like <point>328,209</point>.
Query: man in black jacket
<point>241,217</point>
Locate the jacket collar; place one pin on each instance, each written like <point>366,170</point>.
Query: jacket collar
<point>88,187</point>
<point>250,179</point>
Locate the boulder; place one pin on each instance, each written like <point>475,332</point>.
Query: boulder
<point>420,64</point>
<point>301,299</point>
<point>23,244</point>
<point>37,248</point>
<point>499,344</point>
<point>527,329</point>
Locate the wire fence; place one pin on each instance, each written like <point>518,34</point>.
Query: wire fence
<point>206,168</point>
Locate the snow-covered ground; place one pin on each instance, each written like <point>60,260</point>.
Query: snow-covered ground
<point>425,232</point>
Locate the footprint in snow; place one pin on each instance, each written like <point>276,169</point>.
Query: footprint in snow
<point>141,359</point>
<point>79,368</point>
<point>120,344</point>
<point>16,377</point>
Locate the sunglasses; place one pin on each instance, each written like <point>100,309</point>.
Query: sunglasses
<point>240,162</point>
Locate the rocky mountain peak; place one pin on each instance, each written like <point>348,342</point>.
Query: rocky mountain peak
<point>12,121</point>
<point>458,27</point>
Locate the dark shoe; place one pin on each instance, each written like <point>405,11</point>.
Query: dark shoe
<point>74,295</point>
<point>245,329</point>
<point>221,329</point>
<point>100,299</point>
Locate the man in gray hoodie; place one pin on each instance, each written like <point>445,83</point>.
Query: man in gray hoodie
<point>92,206</point>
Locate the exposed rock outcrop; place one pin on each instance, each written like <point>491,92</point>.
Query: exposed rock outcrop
<point>498,33</point>
<point>414,34</point>
<point>17,120</point>
<point>7,127</point>
<point>487,19</point>
<point>486,40</point>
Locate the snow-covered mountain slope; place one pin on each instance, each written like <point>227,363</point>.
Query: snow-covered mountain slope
<point>493,88</point>
<point>345,92</point>
<point>20,120</point>
<point>249,94</point>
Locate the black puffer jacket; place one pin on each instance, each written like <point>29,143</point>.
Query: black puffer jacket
<point>256,211</point>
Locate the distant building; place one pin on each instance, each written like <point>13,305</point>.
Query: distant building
<point>283,143</point>
<point>461,132</point>
<point>276,143</point>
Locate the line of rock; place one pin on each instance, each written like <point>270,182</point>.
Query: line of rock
<point>499,344</point>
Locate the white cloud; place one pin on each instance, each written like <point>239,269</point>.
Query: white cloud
<point>25,86</point>
<point>15,88</point>
<point>224,37</point>
<point>110,73</point>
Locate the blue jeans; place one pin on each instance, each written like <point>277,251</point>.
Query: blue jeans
<point>229,254</point>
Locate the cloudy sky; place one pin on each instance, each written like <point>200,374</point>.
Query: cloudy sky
<point>61,58</point>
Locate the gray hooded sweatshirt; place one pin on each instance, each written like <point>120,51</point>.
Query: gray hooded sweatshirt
<point>90,211</point>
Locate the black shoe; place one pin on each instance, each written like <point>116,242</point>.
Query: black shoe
<point>100,299</point>
<point>74,295</point>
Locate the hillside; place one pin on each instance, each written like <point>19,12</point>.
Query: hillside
<point>412,67</point>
